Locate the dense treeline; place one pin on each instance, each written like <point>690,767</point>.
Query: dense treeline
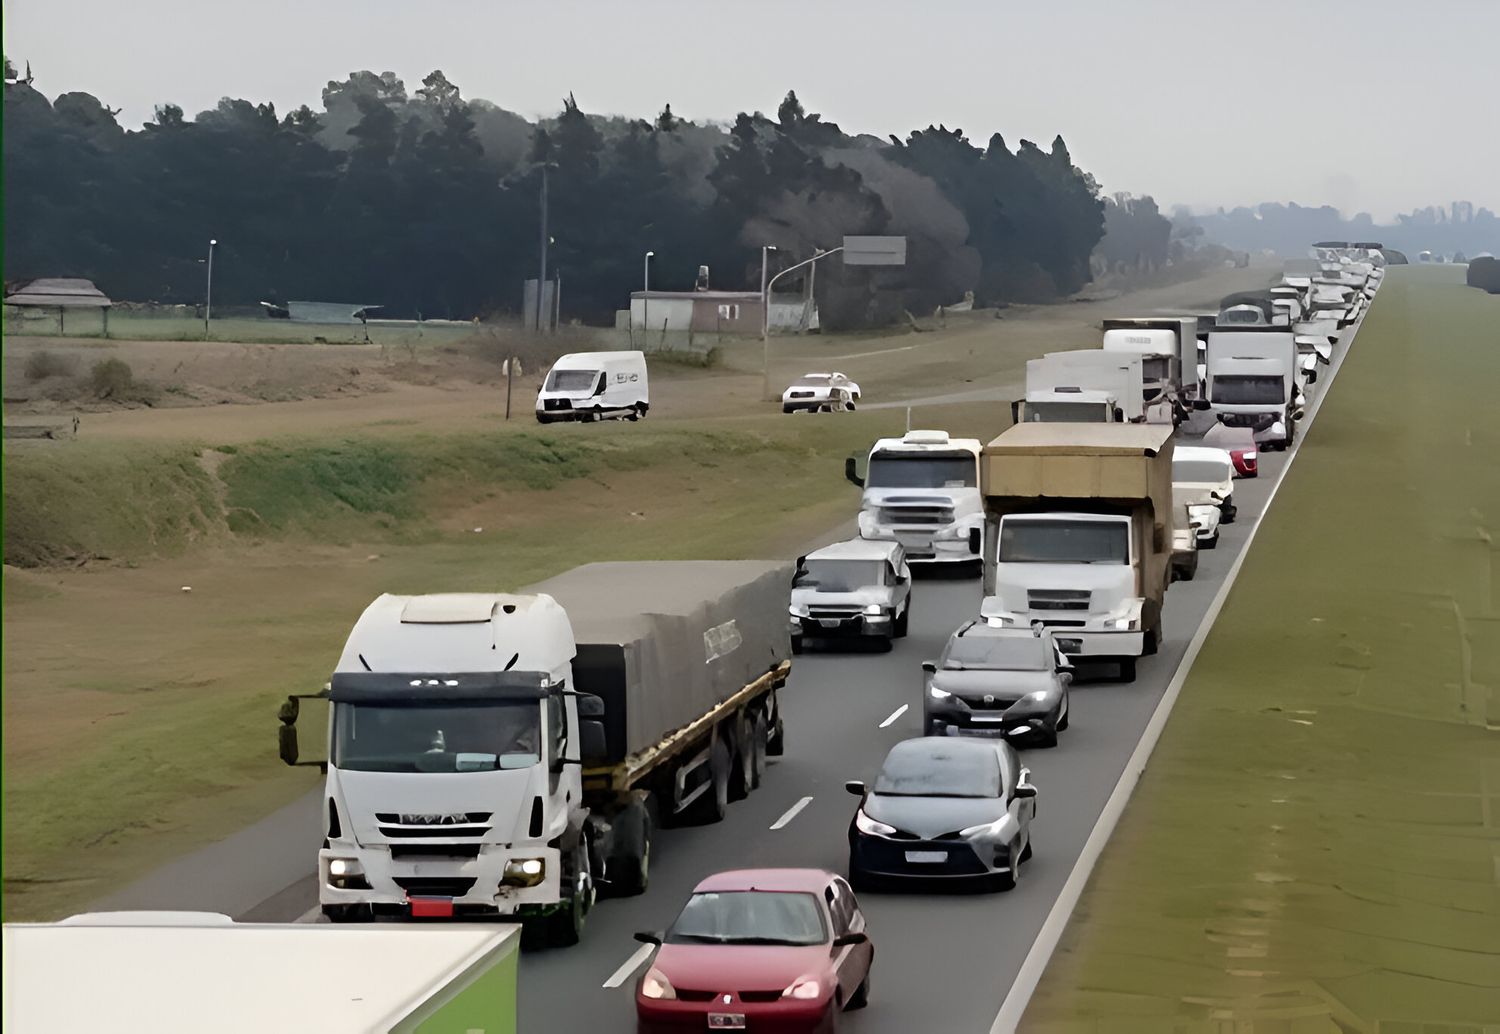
<point>427,202</point>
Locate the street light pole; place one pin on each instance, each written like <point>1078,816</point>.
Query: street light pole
<point>765,300</point>
<point>208,302</point>
<point>765,337</point>
<point>646,299</point>
<point>541,277</point>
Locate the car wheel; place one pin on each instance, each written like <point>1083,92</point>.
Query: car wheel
<point>1127,669</point>
<point>902,623</point>
<point>861,996</point>
<point>888,643</point>
<point>1209,543</point>
<point>787,409</point>
<point>349,913</point>
<point>796,644</point>
<point>543,418</point>
<point>1007,880</point>
<point>1046,736</point>
<point>1152,640</point>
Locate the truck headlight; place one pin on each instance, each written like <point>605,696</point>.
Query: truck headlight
<point>797,611</point>
<point>874,610</point>
<point>1123,624</point>
<point>347,874</point>
<point>524,872</point>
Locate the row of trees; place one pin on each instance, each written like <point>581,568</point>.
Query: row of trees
<point>1289,228</point>
<point>427,202</point>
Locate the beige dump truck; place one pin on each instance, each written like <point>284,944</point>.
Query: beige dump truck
<point>1078,535</point>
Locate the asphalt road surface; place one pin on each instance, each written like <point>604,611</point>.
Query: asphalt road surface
<point>945,958</point>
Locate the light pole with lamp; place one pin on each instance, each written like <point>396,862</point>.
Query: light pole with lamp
<point>208,302</point>
<point>646,299</point>
<point>765,299</point>
<point>765,304</point>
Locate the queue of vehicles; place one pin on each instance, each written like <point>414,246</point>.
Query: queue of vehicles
<point>512,755</point>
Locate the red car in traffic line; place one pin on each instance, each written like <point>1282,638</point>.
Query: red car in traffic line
<point>1239,442</point>
<point>758,950</point>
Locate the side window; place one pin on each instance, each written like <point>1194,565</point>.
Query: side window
<point>557,725</point>
<point>851,905</point>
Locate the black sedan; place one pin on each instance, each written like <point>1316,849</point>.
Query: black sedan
<point>943,809</point>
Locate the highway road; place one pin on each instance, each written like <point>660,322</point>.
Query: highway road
<point>949,958</point>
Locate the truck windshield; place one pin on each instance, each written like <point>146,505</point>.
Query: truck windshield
<point>840,575</point>
<point>1249,390</point>
<point>1064,542</point>
<point>923,470</point>
<point>1066,413</point>
<point>438,737</point>
<point>1155,368</point>
<point>571,380</point>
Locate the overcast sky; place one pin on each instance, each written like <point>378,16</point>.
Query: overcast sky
<point>1367,106</point>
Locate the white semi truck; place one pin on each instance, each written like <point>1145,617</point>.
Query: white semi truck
<point>506,755</point>
<point>1253,377</point>
<point>1168,349</point>
<point>922,490</point>
<point>1078,535</point>
<point>1086,386</point>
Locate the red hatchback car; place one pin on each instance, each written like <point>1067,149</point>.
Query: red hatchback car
<point>758,950</point>
<point>1239,442</point>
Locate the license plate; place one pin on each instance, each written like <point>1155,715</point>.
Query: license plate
<point>1070,645</point>
<point>431,908</point>
<point>726,1021</point>
<point>926,857</point>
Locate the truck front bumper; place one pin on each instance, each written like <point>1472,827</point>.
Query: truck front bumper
<point>1087,643</point>
<point>471,886</point>
<point>861,625</point>
<point>928,546</point>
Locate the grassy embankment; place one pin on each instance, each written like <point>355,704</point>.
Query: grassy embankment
<point>138,717</point>
<point>1314,846</point>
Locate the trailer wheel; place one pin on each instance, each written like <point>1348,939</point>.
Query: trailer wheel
<point>758,741</point>
<point>776,739</point>
<point>714,804</point>
<point>741,772</point>
<point>629,868</point>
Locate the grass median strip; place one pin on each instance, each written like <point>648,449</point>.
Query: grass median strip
<point>1313,845</point>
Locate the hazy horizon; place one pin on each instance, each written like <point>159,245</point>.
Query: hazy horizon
<point>1204,105</point>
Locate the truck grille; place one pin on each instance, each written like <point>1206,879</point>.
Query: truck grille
<point>834,612</point>
<point>1058,599</point>
<point>463,824</point>
<point>926,515</point>
<point>436,886</point>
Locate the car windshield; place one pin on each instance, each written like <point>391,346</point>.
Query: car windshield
<point>1064,542</point>
<point>814,381</point>
<point>1248,389</point>
<point>840,575</point>
<point>922,470</point>
<point>998,653</point>
<point>436,737</point>
<point>939,770</point>
<point>1065,413</point>
<point>571,380</point>
<point>1200,471</point>
<point>749,917</point>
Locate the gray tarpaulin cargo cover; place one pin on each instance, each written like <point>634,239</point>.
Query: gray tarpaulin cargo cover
<point>664,642</point>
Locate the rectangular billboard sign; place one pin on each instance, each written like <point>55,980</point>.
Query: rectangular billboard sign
<point>874,251</point>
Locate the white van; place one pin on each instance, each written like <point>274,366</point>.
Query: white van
<point>595,385</point>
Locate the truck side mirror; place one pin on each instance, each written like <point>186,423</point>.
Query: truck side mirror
<point>855,787</point>
<point>593,749</point>
<point>929,666</point>
<point>1015,412</point>
<point>589,706</point>
<point>851,473</point>
<point>287,742</point>
<point>976,540</point>
<point>1202,405</point>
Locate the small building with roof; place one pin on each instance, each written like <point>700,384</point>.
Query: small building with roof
<point>38,299</point>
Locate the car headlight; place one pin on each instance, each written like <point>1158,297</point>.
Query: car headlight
<point>656,985</point>
<point>939,694</point>
<point>1039,697</point>
<point>865,824</point>
<point>804,989</point>
<point>524,872</point>
<point>797,610</point>
<point>984,828</point>
<point>874,610</point>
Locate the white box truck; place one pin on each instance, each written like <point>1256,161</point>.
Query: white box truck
<point>1168,349</point>
<point>595,385</point>
<point>1078,535</point>
<point>922,490</point>
<point>496,754</point>
<point>1086,386</point>
<point>1253,376</point>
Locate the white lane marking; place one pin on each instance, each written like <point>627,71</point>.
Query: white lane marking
<point>791,813</point>
<point>312,915</point>
<point>1008,1019</point>
<point>632,964</point>
<point>897,713</point>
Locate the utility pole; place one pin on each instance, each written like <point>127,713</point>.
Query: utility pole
<point>646,298</point>
<point>208,302</point>
<point>541,277</point>
<point>765,301</point>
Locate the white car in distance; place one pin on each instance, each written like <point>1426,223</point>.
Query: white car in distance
<point>820,392</point>
<point>1203,481</point>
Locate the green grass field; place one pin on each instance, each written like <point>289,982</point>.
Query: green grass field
<point>1315,846</point>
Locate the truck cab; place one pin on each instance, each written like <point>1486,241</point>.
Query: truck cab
<point>1167,347</point>
<point>1067,405</point>
<point>1254,381</point>
<point>453,773</point>
<point>922,491</point>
